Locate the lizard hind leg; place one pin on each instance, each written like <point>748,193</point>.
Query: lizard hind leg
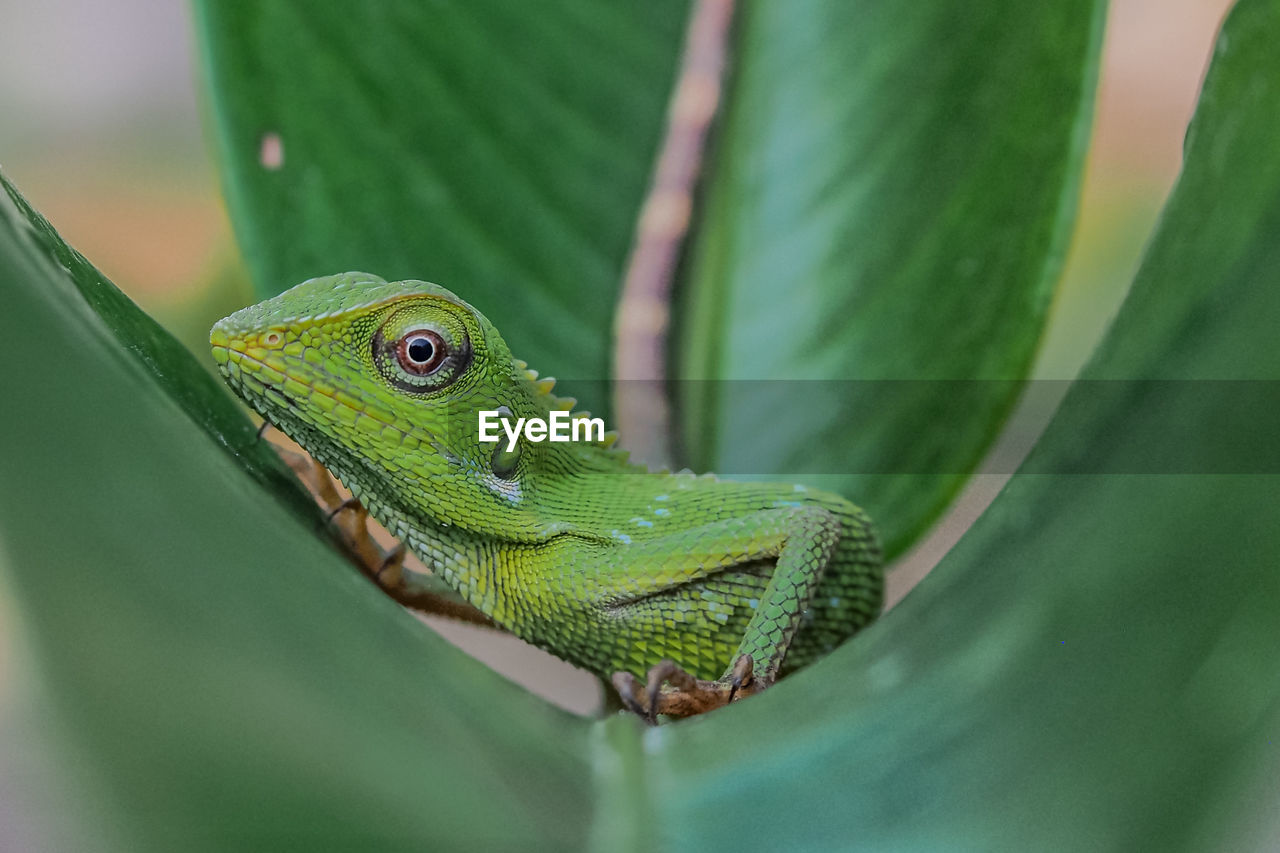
<point>672,692</point>
<point>796,543</point>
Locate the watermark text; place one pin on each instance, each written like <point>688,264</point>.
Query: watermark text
<point>560,426</point>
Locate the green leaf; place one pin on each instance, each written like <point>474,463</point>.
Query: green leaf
<point>147,347</point>
<point>889,198</point>
<point>498,148</point>
<point>888,212</point>
<point>210,675</point>
<point>1093,666</point>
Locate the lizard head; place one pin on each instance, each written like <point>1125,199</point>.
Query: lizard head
<point>382,382</point>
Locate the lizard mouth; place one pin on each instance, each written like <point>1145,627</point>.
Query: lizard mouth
<point>265,387</point>
<point>247,377</point>
<point>278,407</point>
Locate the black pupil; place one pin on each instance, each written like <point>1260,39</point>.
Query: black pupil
<point>421,350</point>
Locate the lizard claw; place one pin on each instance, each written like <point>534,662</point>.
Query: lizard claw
<point>391,572</point>
<point>671,691</point>
<point>666,671</point>
<point>626,685</point>
<point>742,675</point>
<point>349,503</point>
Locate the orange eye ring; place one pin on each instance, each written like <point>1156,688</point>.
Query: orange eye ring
<point>421,352</point>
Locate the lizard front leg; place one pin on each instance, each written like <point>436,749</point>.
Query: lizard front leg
<point>350,522</point>
<point>801,541</point>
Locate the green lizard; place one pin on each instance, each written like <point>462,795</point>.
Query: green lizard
<point>706,589</point>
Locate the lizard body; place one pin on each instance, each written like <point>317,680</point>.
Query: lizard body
<point>568,545</point>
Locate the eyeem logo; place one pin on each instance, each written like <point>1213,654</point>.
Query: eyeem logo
<point>561,426</point>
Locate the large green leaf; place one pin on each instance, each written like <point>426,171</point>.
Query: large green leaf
<point>1093,667</point>
<point>888,212</point>
<point>209,674</point>
<point>500,148</point>
<point>889,198</point>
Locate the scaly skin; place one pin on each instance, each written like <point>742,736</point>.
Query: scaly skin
<point>568,545</point>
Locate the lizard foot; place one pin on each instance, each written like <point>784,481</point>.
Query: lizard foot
<point>350,521</point>
<point>671,691</point>
<point>386,569</point>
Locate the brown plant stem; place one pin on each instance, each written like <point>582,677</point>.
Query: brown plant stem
<point>641,400</point>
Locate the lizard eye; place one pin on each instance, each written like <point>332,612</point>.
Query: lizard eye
<point>421,349</point>
<point>421,352</point>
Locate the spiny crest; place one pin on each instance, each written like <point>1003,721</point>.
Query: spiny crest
<point>554,403</point>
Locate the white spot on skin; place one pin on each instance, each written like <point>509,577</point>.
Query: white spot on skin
<point>509,489</point>
<point>621,537</point>
<point>641,522</point>
<point>662,497</point>
<point>835,601</point>
<point>799,488</point>
<point>661,511</point>
<point>271,152</point>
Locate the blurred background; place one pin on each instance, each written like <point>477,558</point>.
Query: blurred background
<point>102,132</point>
